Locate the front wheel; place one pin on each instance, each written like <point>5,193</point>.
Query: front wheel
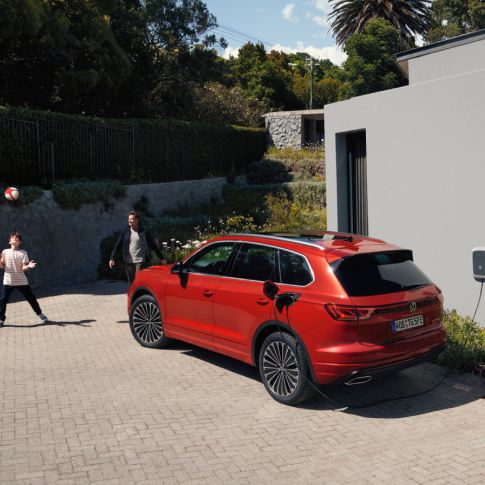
<point>146,323</point>
<point>284,369</point>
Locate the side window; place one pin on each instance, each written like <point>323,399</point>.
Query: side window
<point>211,260</point>
<point>255,262</point>
<point>294,269</point>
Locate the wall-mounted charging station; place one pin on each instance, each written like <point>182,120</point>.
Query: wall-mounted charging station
<point>478,260</point>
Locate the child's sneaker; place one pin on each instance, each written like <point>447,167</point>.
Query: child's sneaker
<point>43,318</point>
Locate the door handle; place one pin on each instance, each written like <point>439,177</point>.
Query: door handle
<point>208,293</point>
<point>262,301</point>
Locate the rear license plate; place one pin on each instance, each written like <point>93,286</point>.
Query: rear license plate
<point>406,323</point>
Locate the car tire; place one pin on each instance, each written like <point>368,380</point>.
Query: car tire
<point>284,369</point>
<point>146,323</point>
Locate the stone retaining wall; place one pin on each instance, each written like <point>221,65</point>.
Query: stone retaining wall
<point>284,131</point>
<point>65,243</point>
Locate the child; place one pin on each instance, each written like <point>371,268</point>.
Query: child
<point>15,262</point>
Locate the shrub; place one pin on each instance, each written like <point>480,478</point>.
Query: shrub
<point>71,194</point>
<point>249,199</point>
<point>28,194</point>
<point>286,216</point>
<point>316,152</point>
<point>466,342</point>
<point>268,171</point>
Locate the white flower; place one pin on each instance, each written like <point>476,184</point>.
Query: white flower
<point>173,239</point>
<point>187,246</point>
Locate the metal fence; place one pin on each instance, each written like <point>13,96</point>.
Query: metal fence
<point>45,150</point>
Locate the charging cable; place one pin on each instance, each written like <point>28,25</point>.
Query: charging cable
<point>341,408</point>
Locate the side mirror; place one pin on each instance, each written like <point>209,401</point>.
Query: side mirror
<point>177,268</point>
<point>270,289</point>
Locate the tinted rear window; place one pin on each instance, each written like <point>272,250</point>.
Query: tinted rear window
<point>378,273</point>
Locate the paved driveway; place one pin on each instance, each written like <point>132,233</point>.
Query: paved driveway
<point>82,402</point>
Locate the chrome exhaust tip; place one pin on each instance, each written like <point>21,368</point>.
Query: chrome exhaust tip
<point>358,380</point>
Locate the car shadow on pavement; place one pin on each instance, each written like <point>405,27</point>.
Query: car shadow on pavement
<point>79,323</point>
<point>411,392</point>
<point>419,390</point>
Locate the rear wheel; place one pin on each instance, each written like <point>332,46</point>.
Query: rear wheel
<point>146,322</point>
<point>284,369</point>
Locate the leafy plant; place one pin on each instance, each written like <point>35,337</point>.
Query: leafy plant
<point>28,194</point>
<point>71,194</point>
<point>466,342</point>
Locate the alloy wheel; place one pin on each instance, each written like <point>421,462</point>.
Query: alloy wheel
<point>280,368</point>
<point>147,323</point>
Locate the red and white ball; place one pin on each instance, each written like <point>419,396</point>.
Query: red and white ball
<point>12,193</point>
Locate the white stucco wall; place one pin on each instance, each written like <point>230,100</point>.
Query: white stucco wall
<point>425,173</point>
<point>448,62</point>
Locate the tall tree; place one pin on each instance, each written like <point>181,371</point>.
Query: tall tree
<point>450,18</point>
<point>370,65</point>
<point>409,17</point>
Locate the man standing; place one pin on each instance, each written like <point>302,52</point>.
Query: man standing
<point>136,245</point>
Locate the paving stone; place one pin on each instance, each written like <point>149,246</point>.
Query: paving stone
<point>82,402</point>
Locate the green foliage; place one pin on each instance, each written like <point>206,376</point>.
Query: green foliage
<point>28,194</point>
<point>349,17</point>
<point>262,79</point>
<point>267,172</point>
<point>283,215</point>
<point>104,56</point>
<point>249,199</point>
<point>130,151</point>
<point>466,342</point>
<point>71,194</point>
<point>290,153</point>
<point>450,18</point>
<point>370,65</point>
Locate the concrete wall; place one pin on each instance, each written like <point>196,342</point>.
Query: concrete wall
<point>449,62</point>
<point>425,174</point>
<point>65,243</point>
<point>284,131</point>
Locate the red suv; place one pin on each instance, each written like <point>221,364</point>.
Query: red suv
<point>306,309</point>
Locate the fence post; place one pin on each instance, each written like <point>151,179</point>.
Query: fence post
<point>133,144</point>
<point>39,153</point>
<point>52,163</point>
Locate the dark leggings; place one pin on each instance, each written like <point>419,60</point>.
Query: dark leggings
<point>28,295</point>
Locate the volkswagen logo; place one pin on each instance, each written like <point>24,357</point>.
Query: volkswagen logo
<point>413,307</point>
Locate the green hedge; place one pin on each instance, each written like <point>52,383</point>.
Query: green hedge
<point>59,146</point>
<point>71,194</point>
<point>28,194</point>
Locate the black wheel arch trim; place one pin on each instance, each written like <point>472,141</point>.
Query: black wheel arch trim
<point>288,329</point>
<point>141,290</point>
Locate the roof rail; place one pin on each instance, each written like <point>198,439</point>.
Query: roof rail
<point>279,238</point>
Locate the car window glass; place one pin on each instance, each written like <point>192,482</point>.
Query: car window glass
<point>294,269</point>
<point>255,262</point>
<point>211,260</point>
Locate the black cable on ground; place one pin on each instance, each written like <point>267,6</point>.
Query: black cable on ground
<point>382,401</point>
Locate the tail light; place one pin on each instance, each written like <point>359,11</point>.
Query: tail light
<point>349,313</point>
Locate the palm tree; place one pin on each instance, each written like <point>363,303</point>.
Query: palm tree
<point>410,17</point>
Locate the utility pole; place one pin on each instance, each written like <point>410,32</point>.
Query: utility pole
<point>311,83</point>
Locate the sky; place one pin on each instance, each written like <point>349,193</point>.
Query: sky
<point>297,26</point>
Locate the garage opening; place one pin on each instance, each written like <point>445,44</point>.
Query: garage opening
<point>357,183</point>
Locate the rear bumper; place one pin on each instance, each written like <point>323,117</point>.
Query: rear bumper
<point>342,363</point>
<point>371,373</point>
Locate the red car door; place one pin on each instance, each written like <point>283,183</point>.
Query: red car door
<point>240,306</point>
<point>190,295</point>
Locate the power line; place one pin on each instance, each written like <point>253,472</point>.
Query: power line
<point>239,36</point>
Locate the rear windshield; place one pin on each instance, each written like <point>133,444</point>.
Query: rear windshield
<point>378,273</point>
